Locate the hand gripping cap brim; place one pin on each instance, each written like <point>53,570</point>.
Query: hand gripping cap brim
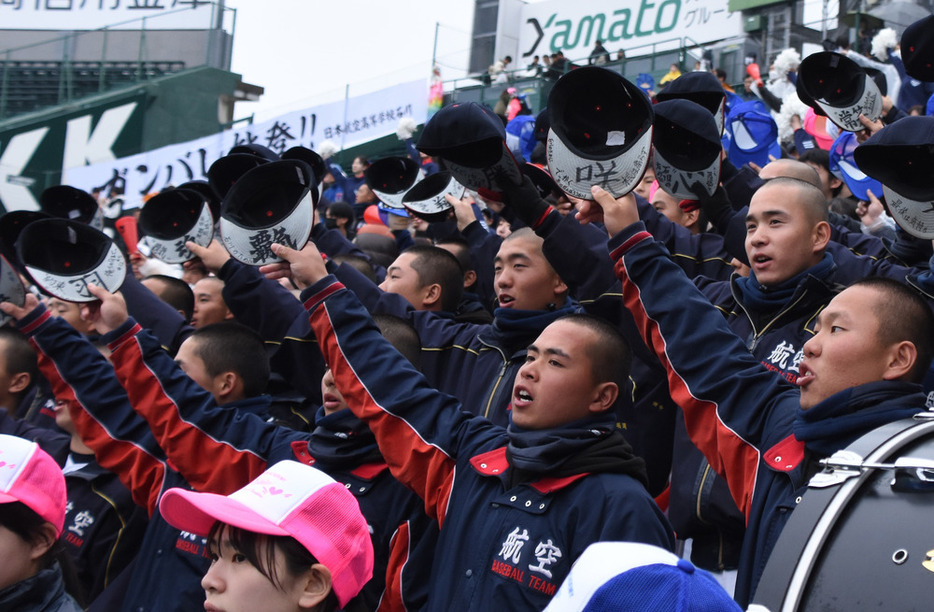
<point>11,289</point>
<point>601,132</point>
<point>901,157</point>
<point>426,199</point>
<point>687,148</point>
<point>841,89</point>
<point>391,177</point>
<point>172,218</point>
<point>271,203</point>
<point>63,257</point>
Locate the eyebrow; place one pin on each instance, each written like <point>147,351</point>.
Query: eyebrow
<point>512,257</point>
<point>549,351</point>
<point>766,214</point>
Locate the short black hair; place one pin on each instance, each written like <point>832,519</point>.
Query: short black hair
<point>402,335</point>
<point>435,265</point>
<point>176,293</point>
<point>903,314</point>
<point>610,355</point>
<point>231,347</point>
<point>20,357</point>
<point>461,251</point>
<point>358,262</point>
<point>341,209</point>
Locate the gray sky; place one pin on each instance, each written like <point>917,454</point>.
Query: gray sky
<point>304,52</point>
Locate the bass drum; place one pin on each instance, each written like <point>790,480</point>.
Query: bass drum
<point>862,537</point>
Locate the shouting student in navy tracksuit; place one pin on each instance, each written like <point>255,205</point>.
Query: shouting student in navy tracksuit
<point>516,505</point>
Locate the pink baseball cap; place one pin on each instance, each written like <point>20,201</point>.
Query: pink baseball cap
<point>288,499</point>
<point>29,475</point>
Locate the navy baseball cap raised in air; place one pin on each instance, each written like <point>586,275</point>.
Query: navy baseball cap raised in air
<point>700,87</point>
<point>687,148</point>
<point>840,88</point>
<point>917,46</point>
<point>391,177</point>
<point>68,202</point>
<point>426,199</point>
<point>172,218</point>
<point>471,141</point>
<point>273,202</point>
<point>226,171</point>
<point>601,132</point>
<point>63,257</point>
<point>845,168</point>
<point>901,157</point>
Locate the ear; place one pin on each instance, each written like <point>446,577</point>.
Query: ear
<point>604,396</point>
<point>902,358</point>
<point>821,236</point>
<point>228,384</point>
<point>560,288</point>
<point>470,277</point>
<point>317,586</point>
<point>690,218</point>
<point>431,296</point>
<point>44,542</point>
<point>228,316</point>
<point>19,382</point>
<point>834,182</point>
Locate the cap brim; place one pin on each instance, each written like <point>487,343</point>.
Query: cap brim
<point>108,274</point>
<point>913,216</point>
<point>847,118</point>
<point>618,175</point>
<point>490,177</point>
<point>427,201</point>
<point>174,250</point>
<point>251,245</point>
<point>197,512</point>
<point>678,182</point>
<point>394,200</point>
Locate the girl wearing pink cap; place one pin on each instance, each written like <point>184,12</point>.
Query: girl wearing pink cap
<point>292,540</point>
<point>32,515</point>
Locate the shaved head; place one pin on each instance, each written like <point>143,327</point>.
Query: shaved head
<point>791,168</point>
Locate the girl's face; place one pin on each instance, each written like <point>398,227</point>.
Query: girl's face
<point>233,584</point>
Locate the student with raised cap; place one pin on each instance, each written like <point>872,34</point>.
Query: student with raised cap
<point>764,432</point>
<point>516,505</point>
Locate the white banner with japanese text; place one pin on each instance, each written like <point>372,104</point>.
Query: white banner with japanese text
<point>346,123</point>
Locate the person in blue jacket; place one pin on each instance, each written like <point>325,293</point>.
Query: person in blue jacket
<point>763,433</point>
<point>516,505</point>
<point>192,412</point>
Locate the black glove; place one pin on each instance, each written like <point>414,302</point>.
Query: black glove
<point>526,201</point>
<point>717,207</point>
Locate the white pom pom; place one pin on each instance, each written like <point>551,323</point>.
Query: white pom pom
<point>886,39</point>
<point>406,128</point>
<point>327,149</point>
<point>791,105</point>
<point>787,60</point>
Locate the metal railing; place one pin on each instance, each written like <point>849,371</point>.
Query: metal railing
<point>78,64</point>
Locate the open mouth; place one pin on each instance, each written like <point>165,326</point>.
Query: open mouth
<point>805,375</point>
<point>506,300</point>
<point>521,398</point>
